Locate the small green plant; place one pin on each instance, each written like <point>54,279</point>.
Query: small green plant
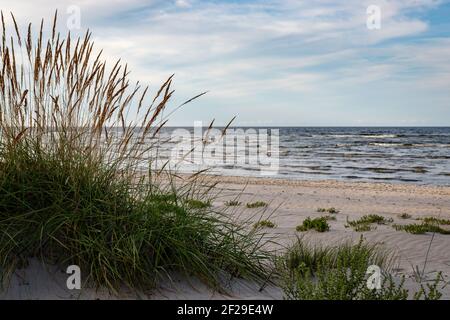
<point>364,223</point>
<point>421,228</point>
<point>434,220</point>
<point>363,227</point>
<point>329,210</point>
<point>264,224</point>
<point>232,203</point>
<point>257,204</point>
<point>372,218</point>
<point>404,216</point>
<point>430,291</point>
<point>411,228</point>
<point>197,204</point>
<point>429,224</point>
<point>318,224</point>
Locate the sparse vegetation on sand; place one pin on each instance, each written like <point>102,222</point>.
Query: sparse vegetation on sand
<point>365,222</point>
<point>428,224</point>
<point>264,224</point>
<point>404,216</point>
<point>198,204</point>
<point>257,204</point>
<point>318,224</point>
<point>421,228</point>
<point>341,273</point>
<point>71,187</point>
<point>233,203</point>
<point>363,227</point>
<point>434,220</point>
<point>329,210</point>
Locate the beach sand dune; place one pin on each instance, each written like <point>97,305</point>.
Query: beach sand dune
<point>289,203</point>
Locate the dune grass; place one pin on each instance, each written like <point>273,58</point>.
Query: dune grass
<point>335,273</point>
<point>340,272</point>
<point>74,133</point>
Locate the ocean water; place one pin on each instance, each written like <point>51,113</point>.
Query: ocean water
<point>416,155</point>
<point>406,155</point>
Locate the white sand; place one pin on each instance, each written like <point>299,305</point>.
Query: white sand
<point>293,201</point>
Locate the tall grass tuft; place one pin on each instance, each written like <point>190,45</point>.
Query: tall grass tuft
<point>342,272</point>
<point>74,134</point>
<point>336,273</point>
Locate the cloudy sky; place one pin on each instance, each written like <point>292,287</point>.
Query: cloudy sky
<point>285,62</point>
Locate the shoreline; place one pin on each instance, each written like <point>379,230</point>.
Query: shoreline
<point>279,180</point>
<point>325,183</point>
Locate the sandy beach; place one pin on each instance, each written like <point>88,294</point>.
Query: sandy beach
<point>225,150</point>
<point>289,203</point>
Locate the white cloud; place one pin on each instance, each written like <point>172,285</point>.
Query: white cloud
<point>245,50</point>
<point>182,3</point>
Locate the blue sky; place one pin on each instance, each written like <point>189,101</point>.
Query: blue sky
<point>275,63</point>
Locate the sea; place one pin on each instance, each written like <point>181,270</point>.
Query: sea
<point>419,155</point>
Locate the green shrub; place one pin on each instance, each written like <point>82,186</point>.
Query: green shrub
<point>232,203</point>
<point>329,210</point>
<point>318,224</point>
<point>257,204</point>
<point>404,216</point>
<point>371,218</point>
<point>434,220</point>
<point>421,228</point>
<point>363,227</point>
<point>429,224</point>
<point>429,291</point>
<point>364,223</point>
<point>264,224</point>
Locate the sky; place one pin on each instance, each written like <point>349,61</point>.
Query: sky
<point>276,62</point>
